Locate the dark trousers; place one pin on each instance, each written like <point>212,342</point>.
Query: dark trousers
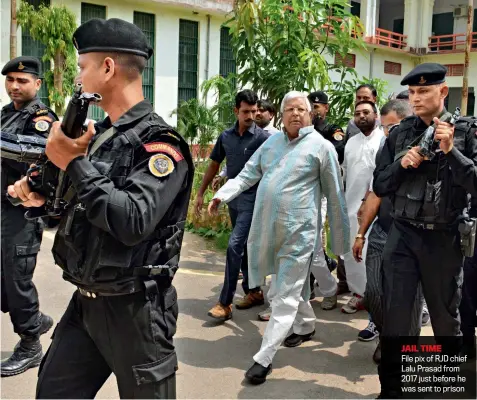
<point>237,258</point>
<point>341,275</point>
<point>413,255</point>
<point>373,295</point>
<point>128,335</point>
<point>21,240</point>
<point>468,305</point>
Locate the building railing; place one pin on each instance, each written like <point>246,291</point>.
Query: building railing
<point>450,43</point>
<point>390,39</point>
<point>330,28</point>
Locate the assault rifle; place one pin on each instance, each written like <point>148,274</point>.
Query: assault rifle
<point>427,144</point>
<point>50,182</point>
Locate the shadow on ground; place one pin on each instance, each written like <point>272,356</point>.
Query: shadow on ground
<point>294,389</point>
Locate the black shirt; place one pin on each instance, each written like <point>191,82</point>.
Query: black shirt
<point>237,150</point>
<point>332,133</point>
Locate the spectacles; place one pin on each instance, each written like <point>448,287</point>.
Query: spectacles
<point>299,110</point>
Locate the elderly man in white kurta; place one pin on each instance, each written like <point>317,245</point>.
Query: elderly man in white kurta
<point>294,168</point>
<point>358,167</point>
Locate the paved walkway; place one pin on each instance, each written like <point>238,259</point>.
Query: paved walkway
<point>213,358</point>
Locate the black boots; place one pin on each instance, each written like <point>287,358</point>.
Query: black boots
<point>28,352</point>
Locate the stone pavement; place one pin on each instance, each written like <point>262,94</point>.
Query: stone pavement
<point>213,358</point>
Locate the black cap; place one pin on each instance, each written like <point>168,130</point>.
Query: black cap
<point>426,74</point>
<point>30,65</point>
<point>318,97</point>
<point>111,35</point>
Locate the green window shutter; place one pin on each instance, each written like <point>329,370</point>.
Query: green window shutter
<point>34,48</point>
<point>227,66</point>
<point>90,11</point>
<point>146,22</point>
<point>227,59</point>
<point>188,59</point>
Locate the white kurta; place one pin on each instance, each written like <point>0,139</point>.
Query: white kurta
<point>358,167</point>
<point>286,221</point>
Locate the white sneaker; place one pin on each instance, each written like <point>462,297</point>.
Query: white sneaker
<point>354,304</point>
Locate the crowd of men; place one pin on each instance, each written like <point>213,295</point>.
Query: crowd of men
<point>394,214</point>
<point>405,265</point>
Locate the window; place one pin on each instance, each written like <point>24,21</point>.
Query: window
<point>392,68</point>
<point>227,59</point>
<point>188,60</point>
<point>455,69</point>
<point>147,24</point>
<point>355,8</point>
<point>35,48</point>
<point>348,61</point>
<point>90,11</point>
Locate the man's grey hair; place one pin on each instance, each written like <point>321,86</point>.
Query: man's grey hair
<point>295,95</point>
<point>402,108</point>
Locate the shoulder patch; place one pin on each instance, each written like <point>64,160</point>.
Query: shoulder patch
<point>42,112</point>
<point>338,135</point>
<point>159,147</point>
<point>43,118</point>
<point>160,165</point>
<point>42,126</point>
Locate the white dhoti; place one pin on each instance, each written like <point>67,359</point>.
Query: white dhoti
<point>356,271</point>
<point>289,311</point>
<point>319,268</point>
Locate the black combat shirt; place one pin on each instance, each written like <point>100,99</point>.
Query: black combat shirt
<point>129,214</point>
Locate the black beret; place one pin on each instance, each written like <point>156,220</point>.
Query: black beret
<point>426,74</point>
<point>111,35</point>
<point>30,65</point>
<point>318,97</point>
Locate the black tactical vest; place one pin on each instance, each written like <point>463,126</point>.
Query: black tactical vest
<point>92,258</point>
<point>428,193</point>
<point>16,123</point>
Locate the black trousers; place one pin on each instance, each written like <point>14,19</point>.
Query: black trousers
<point>21,240</point>
<point>130,336</point>
<point>413,255</point>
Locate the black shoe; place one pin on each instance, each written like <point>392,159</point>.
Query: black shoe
<point>295,340</point>
<point>46,323</point>
<point>27,355</point>
<point>257,374</point>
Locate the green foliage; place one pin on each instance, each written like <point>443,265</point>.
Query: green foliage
<point>224,91</point>
<point>54,27</point>
<point>283,45</point>
<point>216,228</point>
<point>342,95</point>
<point>197,123</point>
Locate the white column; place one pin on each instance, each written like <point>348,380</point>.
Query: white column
<point>369,17</point>
<point>411,13</point>
<point>425,25</point>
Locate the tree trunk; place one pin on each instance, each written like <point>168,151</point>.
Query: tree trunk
<point>59,61</point>
<point>13,29</point>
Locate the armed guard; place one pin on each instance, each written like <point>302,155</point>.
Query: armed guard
<point>21,238</point>
<point>331,132</point>
<point>120,241</point>
<point>429,193</point>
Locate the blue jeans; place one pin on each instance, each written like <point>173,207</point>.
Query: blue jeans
<point>237,255</point>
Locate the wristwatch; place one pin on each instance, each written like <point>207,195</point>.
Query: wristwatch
<point>360,236</point>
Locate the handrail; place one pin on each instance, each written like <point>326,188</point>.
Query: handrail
<point>391,39</point>
<point>450,43</point>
